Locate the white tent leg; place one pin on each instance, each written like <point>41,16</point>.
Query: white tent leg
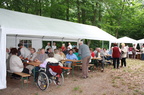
<point>2,59</point>
<point>109,45</point>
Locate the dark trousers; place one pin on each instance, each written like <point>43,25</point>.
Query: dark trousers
<point>25,70</point>
<point>123,62</point>
<point>101,63</point>
<point>142,56</point>
<point>116,62</point>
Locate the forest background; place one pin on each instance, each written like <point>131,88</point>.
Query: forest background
<point>117,17</point>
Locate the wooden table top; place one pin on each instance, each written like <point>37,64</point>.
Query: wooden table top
<point>96,58</point>
<point>71,60</point>
<point>34,63</point>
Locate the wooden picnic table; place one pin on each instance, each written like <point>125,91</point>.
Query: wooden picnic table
<point>35,64</point>
<point>96,58</point>
<point>74,63</point>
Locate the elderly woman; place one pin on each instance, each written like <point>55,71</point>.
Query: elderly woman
<point>16,64</point>
<point>53,70</point>
<point>31,58</point>
<point>124,51</point>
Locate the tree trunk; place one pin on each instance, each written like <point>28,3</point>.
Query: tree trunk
<point>67,10</point>
<point>78,11</point>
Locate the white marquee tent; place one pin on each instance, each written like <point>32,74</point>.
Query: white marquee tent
<point>140,41</point>
<point>124,40</point>
<point>21,24</point>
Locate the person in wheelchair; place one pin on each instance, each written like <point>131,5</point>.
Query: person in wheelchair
<point>52,66</point>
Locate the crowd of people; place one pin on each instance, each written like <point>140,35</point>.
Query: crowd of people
<point>15,57</point>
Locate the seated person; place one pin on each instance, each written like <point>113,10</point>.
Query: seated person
<point>99,54</point>
<point>16,64</point>
<point>71,56</point>
<point>31,58</point>
<point>57,55</point>
<point>92,53</point>
<point>41,56</point>
<point>75,50</point>
<point>48,50</point>
<point>61,53</point>
<point>52,60</point>
<point>106,54</point>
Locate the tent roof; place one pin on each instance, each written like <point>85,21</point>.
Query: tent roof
<point>125,40</point>
<point>141,41</point>
<point>27,24</point>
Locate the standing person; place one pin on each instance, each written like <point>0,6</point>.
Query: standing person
<point>142,51</point>
<point>69,46</point>
<point>63,47</point>
<point>54,46</point>
<point>48,46</point>
<point>134,50</point>
<point>85,54</point>
<point>116,56</point>
<point>124,51</point>
<point>23,51</point>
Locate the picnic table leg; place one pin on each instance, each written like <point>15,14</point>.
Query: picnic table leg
<point>34,75</point>
<point>72,71</point>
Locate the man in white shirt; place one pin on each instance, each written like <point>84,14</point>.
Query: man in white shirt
<point>54,46</point>
<point>48,46</point>
<point>24,51</point>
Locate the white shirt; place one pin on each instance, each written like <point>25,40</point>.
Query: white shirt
<point>70,46</point>
<point>142,50</point>
<point>58,57</point>
<point>16,64</point>
<point>54,47</point>
<point>24,52</point>
<point>47,47</point>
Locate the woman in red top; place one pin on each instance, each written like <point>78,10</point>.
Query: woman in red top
<point>92,53</point>
<point>116,56</point>
<point>63,47</point>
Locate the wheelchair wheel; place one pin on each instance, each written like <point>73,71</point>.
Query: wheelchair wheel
<point>59,79</point>
<point>43,81</point>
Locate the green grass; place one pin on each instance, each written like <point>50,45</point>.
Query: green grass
<point>76,88</point>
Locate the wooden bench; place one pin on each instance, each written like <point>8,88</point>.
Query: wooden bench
<point>23,76</point>
<point>80,66</point>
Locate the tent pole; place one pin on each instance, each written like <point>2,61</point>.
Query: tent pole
<point>3,59</point>
<point>16,40</point>
<point>109,45</point>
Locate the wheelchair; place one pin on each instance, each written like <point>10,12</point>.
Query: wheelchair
<point>45,77</point>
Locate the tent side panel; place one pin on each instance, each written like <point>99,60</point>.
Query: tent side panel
<point>37,43</point>
<point>2,59</point>
<point>11,42</point>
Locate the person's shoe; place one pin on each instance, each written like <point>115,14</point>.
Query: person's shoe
<point>102,70</point>
<point>26,81</point>
<point>84,77</point>
<point>68,73</point>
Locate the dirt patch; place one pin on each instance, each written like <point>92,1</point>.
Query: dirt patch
<point>124,81</point>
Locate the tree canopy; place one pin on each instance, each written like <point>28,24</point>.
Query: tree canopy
<point>117,17</point>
